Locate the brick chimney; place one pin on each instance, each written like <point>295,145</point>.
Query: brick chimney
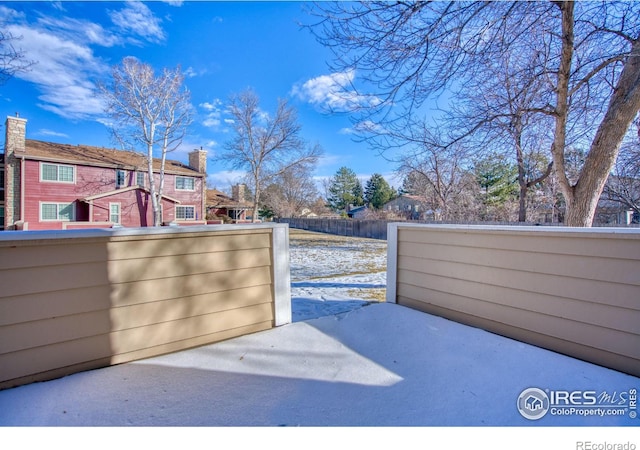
<point>198,160</point>
<point>14,145</point>
<point>237,193</point>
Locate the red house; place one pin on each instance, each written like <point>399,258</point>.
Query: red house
<point>61,186</point>
<point>221,206</point>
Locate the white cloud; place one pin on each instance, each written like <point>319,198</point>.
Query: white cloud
<point>190,72</point>
<point>213,118</point>
<point>45,132</point>
<point>8,14</point>
<point>137,18</point>
<point>80,31</point>
<point>66,67</point>
<point>225,178</point>
<point>211,122</point>
<point>334,92</point>
<point>63,72</point>
<point>211,106</point>
<point>366,126</point>
<point>331,159</point>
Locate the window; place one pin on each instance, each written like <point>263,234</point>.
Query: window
<point>57,211</point>
<point>57,172</point>
<point>140,178</point>
<point>1,179</point>
<point>120,178</point>
<point>114,212</point>
<point>1,217</point>
<point>185,184</point>
<point>185,212</point>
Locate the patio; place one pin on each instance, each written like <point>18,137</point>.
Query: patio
<point>379,365</point>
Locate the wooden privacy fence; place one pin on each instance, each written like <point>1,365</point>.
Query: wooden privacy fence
<point>374,229</point>
<point>83,299</point>
<point>574,291</point>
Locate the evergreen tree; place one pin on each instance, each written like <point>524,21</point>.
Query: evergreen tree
<point>377,191</point>
<point>497,180</point>
<point>344,189</point>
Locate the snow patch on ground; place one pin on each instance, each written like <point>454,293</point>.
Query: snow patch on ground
<point>332,275</point>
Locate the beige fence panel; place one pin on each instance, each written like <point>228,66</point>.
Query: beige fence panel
<point>574,291</point>
<point>82,299</point>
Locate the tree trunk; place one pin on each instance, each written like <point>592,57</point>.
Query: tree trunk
<point>622,110</point>
<point>582,198</point>
<point>152,190</point>
<point>562,104</point>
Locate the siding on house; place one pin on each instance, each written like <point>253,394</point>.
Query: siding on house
<point>86,299</point>
<point>575,291</point>
<point>92,186</point>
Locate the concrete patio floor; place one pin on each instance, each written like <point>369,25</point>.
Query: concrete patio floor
<point>380,365</point>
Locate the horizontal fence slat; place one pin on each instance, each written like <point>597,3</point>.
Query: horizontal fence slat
<point>606,293</point>
<point>123,271</point>
<point>187,286</point>
<point>586,267</point>
<point>65,328</point>
<point>169,246</point>
<point>541,240</point>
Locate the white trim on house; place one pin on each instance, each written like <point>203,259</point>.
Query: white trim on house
<point>57,166</point>
<point>184,208</point>
<point>118,213</point>
<point>58,205</point>
<point>184,179</point>
<point>126,189</point>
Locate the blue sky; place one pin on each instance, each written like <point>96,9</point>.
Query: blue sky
<point>223,48</point>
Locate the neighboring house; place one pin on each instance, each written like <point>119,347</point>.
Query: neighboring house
<point>611,212</point>
<point>60,186</point>
<point>221,205</point>
<point>615,203</point>
<point>410,207</point>
<point>357,212</point>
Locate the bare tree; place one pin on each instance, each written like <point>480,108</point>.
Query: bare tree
<point>623,187</point>
<point>148,111</point>
<point>498,111</point>
<point>291,192</point>
<point>586,56</point>
<point>12,60</point>
<point>437,172</point>
<point>265,146</point>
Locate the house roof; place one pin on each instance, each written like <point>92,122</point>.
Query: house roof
<point>98,156</point>
<point>415,198</point>
<point>218,199</point>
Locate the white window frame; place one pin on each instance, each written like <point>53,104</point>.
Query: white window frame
<point>138,175</point>
<point>57,166</point>
<point>193,208</point>
<point>124,178</point>
<point>58,205</point>
<point>111,213</point>
<point>193,181</point>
